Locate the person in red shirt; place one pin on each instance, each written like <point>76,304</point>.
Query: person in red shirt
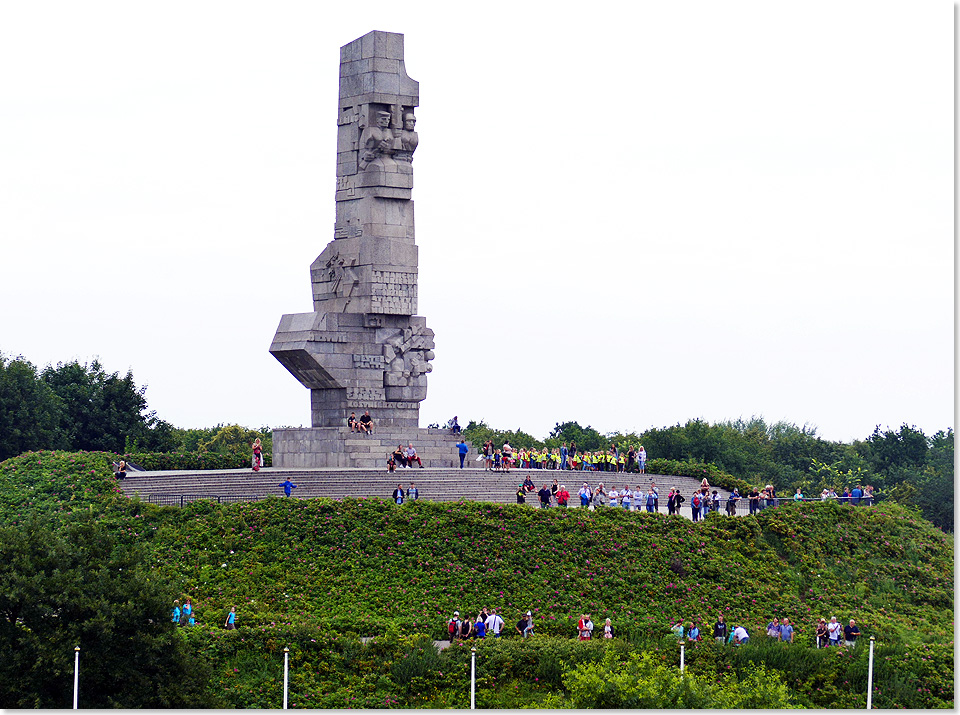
<point>585,626</point>
<point>563,496</point>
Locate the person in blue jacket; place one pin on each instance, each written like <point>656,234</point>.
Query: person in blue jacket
<point>176,612</point>
<point>287,486</point>
<point>462,446</point>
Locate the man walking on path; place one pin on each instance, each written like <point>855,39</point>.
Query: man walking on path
<point>463,448</point>
<point>287,486</point>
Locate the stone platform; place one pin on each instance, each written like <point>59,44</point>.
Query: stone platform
<point>338,447</point>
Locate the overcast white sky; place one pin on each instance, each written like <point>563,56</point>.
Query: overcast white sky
<point>629,214</point>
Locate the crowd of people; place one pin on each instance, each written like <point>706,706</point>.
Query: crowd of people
<point>488,622</point>
<point>827,633</point>
<point>704,499</point>
<point>185,616</point>
<point>633,459</point>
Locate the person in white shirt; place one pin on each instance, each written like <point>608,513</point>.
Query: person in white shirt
<point>585,495</point>
<point>494,623</point>
<point>613,496</point>
<point>626,497</point>
<point>834,630</point>
<point>740,635</point>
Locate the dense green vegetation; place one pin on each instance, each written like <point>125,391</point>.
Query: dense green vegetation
<point>315,575</point>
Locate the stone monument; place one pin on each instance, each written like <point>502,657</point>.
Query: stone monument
<point>363,348</point>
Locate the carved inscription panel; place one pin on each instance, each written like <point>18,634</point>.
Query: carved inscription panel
<point>394,292</point>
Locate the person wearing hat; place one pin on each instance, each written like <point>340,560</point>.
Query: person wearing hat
<point>453,626</point>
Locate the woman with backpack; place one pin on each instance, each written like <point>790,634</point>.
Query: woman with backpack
<point>695,505</point>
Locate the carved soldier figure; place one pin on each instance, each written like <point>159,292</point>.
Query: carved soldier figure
<point>376,143</point>
<point>408,137</point>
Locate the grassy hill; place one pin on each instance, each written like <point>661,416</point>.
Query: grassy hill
<point>316,574</point>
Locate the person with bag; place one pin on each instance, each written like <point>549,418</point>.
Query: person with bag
<point>563,496</point>
<point>453,626</point>
<point>585,627</point>
<point>398,494</point>
<point>494,623</point>
<point>822,633</point>
<point>695,505</point>
<point>257,460</point>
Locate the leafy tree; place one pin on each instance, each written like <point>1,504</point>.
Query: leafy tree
<point>235,441</point>
<point>80,587</point>
<point>100,410</point>
<point>890,450</point>
<point>29,410</point>
<point>479,432</point>
<point>586,438</point>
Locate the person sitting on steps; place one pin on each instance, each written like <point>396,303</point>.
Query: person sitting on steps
<point>366,423</point>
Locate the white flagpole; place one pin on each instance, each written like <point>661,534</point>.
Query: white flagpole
<point>286,666</point>
<point>681,657</point>
<point>870,678</point>
<point>473,678</point>
<point>76,676</point>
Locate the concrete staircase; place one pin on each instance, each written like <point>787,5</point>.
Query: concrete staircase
<point>436,484</point>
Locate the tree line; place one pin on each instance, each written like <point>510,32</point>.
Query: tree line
<point>80,406</point>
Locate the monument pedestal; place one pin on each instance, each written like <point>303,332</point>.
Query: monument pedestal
<point>338,447</point>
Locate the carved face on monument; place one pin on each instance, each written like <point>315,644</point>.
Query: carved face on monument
<point>409,122</point>
<point>383,120</point>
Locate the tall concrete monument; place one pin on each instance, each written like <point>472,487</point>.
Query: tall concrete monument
<point>363,347</point>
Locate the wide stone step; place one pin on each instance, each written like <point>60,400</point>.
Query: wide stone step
<point>434,484</point>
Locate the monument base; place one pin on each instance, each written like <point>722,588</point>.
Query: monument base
<point>338,447</point>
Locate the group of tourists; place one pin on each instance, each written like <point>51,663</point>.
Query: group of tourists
<point>780,629</point>
<point>488,623</point>
<point>633,459</point>
<point>186,615</point>
<point>399,496</point>
<point>557,495</point>
<point>363,425</point>
<point>737,635</point>
<point>183,616</point>
<point>404,457</point>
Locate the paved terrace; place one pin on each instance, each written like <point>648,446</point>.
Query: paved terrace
<point>434,483</point>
